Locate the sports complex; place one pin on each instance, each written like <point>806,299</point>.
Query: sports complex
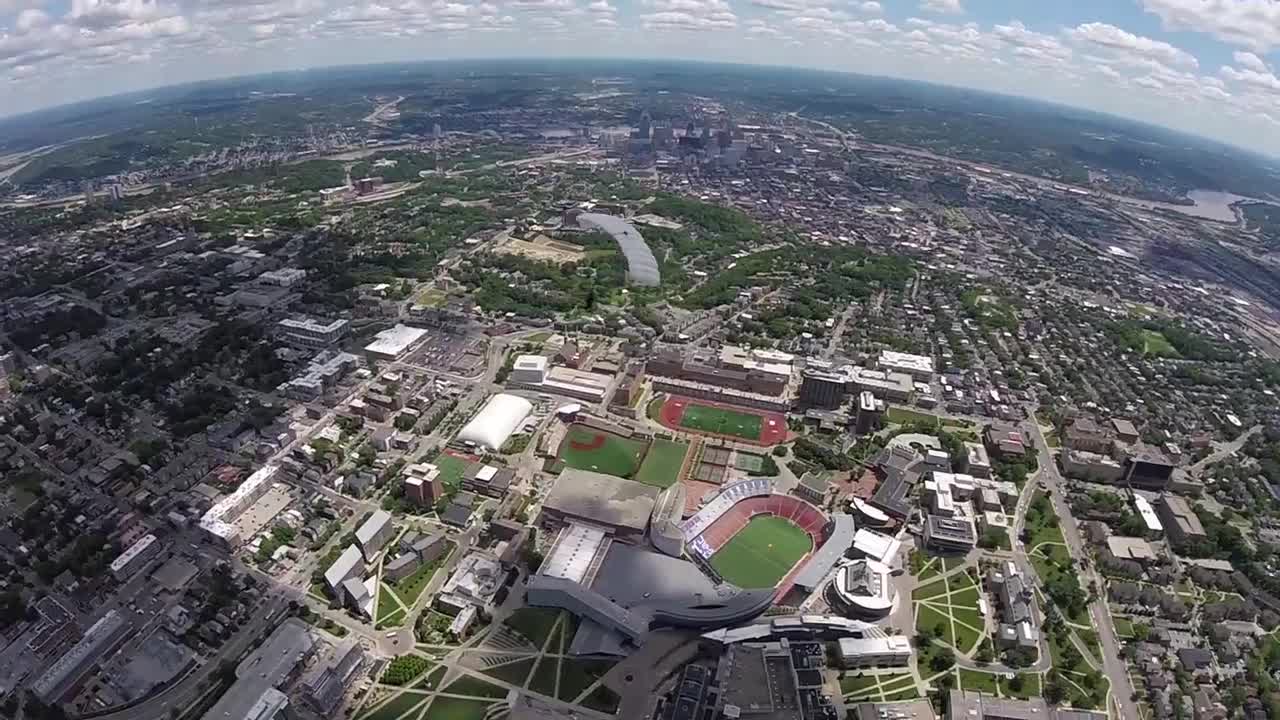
<point>657,461</point>
<point>753,537</point>
<point>758,427</point>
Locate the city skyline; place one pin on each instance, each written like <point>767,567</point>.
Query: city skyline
<point>1201,66</point>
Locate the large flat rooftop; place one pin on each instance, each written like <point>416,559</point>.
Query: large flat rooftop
<point>606,499</point>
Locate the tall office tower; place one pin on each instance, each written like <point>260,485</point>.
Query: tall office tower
<point>646,125</point>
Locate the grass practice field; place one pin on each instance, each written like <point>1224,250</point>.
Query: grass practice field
<point>762,553</point>
<point>587,449</point>
<point>722,421</point>
<point>661,466</point>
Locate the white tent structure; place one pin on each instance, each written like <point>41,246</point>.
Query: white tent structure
<point>496,421</point>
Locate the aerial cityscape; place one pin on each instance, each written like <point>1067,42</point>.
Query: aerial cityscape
<point>516,390</point>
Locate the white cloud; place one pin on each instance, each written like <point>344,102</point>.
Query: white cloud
<point>942,7</point>
<point>1249,61</point>
<point>1259,80</point>
<point>871,7</point>
<point>30,19</point>
<point>1124,42</point>
<point>689,15</point>
<point>1253,24</point>
<point>1029,43</point>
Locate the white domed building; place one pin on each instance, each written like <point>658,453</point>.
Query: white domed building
<point>863,590</point>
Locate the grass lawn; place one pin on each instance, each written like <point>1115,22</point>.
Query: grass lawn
<point>902,416</point>
<point>1124,627</point>
<point>851,684</point>
<point>1155,343</point>
<point>950,562</point>
<point>967,597</point>
<point>474,687</point>
<point>578,675</point>
<point>451,469</point>
<point>934,589</point>
<point>662,463</point>
<point>908,694</point>
<point>1029,688</point>
<point>443,708</point>
<point>967,638</point>
<point>602,699</point>
<point>533,623</point>
<point>617,456</point>
<point>722,421</point>
<point>932,568</point>
<point>762,553</point>
<point>412,586</point>
<point>430,297</point>
<point>395,707</point>
<point>544,677</point>
<point>391,618</point>
<point>433,678</point>
<point>515,673</point>
<point>975,680</point>
<point>929,619</point>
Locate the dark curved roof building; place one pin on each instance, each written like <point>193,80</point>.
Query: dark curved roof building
<point>622,591</point>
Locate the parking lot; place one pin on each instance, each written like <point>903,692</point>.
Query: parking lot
<point>444,352</point>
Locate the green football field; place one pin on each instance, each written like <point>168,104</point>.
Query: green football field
<point>661,466</point>
<point>762,553</point>
<point>616,456</point>
<point>722,421</point>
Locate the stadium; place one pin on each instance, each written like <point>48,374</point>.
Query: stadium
<point>753,537</point>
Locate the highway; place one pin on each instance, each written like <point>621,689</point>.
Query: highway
<point>1113,664</point>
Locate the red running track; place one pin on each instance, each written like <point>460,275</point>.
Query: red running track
<point>773,426</point>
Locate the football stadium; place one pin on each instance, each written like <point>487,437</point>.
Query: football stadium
<point>621,559</point>
<point>753,537</point>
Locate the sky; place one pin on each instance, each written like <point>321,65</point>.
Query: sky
<point>1204,66</point>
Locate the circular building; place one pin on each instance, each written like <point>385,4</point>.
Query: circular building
<point>863,590</point>
<point>868,514</point>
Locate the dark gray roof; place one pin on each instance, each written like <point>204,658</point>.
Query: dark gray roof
<point>602,498</point>
<point>455,514</point>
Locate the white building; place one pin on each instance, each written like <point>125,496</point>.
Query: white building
<point>892,650</point>
<point>476,581</point>
<point>135,557</point>
<point>375,533</point>
<point>218,520</point>
<point>496,421</point>
<point>312,333</point>
<point>348,565</point>
<point>284,277</point>
<point>919,367</point>
<point>393,343</point>
<point>529,370</point>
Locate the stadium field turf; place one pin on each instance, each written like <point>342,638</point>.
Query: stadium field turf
<point>587,449</point>
<point>722,421</point>
<point>662,463</point>
<point>762,553</point>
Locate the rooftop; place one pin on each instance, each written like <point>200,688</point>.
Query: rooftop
<point>603,498</point>
<point>263,670</point>
<point>394,341</point>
